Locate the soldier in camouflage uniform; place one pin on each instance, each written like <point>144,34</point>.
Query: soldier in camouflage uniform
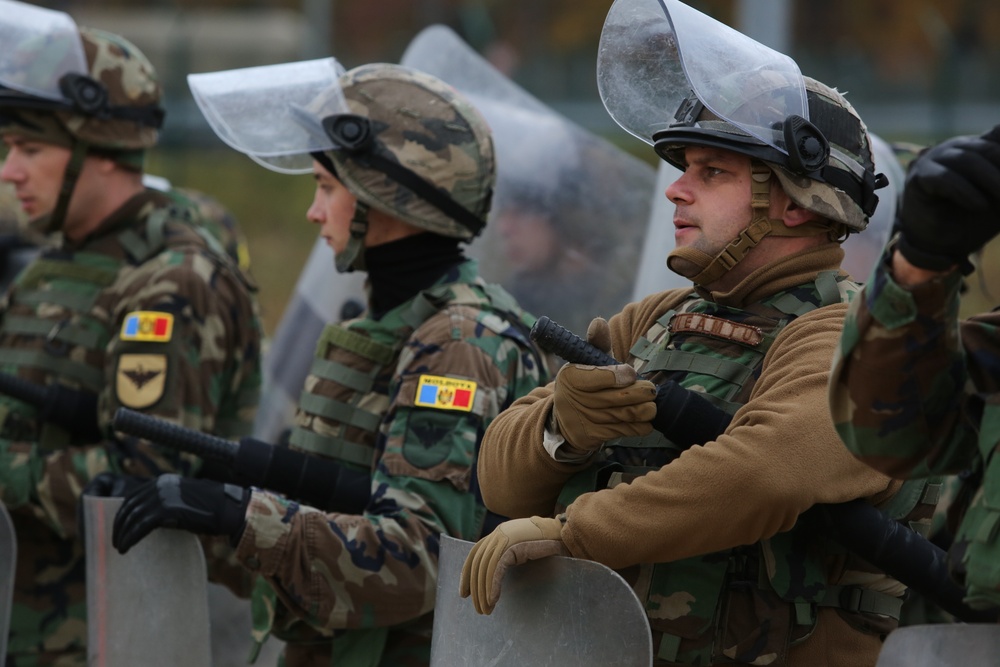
<point>914,391</point>
<point>134,305</point>
<point>404,171</point>
<point>713,532</point>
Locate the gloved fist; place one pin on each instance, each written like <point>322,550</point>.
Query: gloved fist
<point>593,404</point>
<point>171,501</point>
<point>951,202</point>
<point>512,543</point>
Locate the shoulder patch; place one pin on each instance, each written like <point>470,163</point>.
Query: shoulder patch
<point>140,379</point>
<point>444,393</point>
<point>148,326</point>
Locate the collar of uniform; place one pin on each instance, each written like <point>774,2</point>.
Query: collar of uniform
<point>782,274</point>
<point>135,208</point>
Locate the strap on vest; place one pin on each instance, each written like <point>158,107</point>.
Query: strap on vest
<point>858,600</point>
<point>339,411</point>
<point>336,448</point>
<point>354,342</point>
<point>75,301</point>
<point>47,269</point>
<point>334,371</point>
<point>88,376</point>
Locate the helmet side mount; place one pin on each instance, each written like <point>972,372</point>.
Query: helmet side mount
<point>808,149</point>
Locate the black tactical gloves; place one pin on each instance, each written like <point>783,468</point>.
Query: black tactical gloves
<point>171,501</point>
<point>951,202</point>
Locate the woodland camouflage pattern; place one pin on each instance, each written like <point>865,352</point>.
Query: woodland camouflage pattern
<point>915,392</point>
<point>375,575</point>
<point>424,125</point>
<point>130,81</point>
<point>151,256</point>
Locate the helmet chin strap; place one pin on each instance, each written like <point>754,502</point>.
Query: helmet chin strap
<point>54,220</point>
<point>711,268</point>
<point>353,256</point>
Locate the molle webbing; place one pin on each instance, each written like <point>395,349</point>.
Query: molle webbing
<point>352,412</point>
<point>74,284</point>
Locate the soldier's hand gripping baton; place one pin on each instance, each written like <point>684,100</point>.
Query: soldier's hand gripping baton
<point>318,482</point>
<point>685,417</point>
<point>860,527</point>
<point>74,410</point>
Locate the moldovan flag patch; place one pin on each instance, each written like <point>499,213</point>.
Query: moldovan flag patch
<point>148,326</point>
<point>434,391</point>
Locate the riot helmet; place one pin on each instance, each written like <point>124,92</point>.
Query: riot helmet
<point>674,77</point>
<point>401,141</point>
<point>84,89</point>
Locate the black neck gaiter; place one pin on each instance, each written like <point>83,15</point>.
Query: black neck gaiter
<point>399,269</point>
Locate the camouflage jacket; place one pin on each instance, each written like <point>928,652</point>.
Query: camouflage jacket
<point>149,313</point>
<point>374,575</point>
<point>915,392</point>
<point>737,500</point>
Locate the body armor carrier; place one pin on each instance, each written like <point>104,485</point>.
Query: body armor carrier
<point>346,398</point>
<point>59,317</point>
<point>744,604</point>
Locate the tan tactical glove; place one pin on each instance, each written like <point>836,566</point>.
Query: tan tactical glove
<point>593,404</point>
<point>513,542</point>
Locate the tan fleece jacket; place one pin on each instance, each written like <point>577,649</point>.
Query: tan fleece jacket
<point>779,456</point>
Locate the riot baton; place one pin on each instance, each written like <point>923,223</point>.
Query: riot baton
<point>319,482</point>
<point>685,417</point>
<point>74,410</point>
<point>893,548</point>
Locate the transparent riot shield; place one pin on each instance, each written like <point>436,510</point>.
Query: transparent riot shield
<point>556,612</point>
<point>570,209</point>
<point>944,645</point>
<point>321,296</point>
<point>150,606</point>
<point>8,565</point>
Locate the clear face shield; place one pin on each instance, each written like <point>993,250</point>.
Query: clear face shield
<point>569,208</point>
<point>42,53</point>
<point>274,114</point>
<point>661,63</point>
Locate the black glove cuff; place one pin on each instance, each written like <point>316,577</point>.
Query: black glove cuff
<point>232,518</point>
<point>931,261</point>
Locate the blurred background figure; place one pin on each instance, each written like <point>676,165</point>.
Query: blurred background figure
<point>570,208</point>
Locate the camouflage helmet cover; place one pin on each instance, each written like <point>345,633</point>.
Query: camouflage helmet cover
<point>126,114</point>
<point>849,162</point>
<point>130,81</point>
<point>850,152</point>
<point>426,126</point>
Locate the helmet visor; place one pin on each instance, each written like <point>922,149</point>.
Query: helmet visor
<point>273,113</point>
<point>656,54</point>
<point>40,47</point>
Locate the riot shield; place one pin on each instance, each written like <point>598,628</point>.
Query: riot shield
<point>944,645</point>
<point>321,296</point>
<point>570,209</point>
<point>557,612</point>
<point>150,606</point>
<point>8,563</point>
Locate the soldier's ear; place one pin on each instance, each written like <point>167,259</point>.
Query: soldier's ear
<point>794,215</point>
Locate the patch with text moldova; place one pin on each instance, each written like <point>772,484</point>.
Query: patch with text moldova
<point>443,393</point>
<point>148,326</point>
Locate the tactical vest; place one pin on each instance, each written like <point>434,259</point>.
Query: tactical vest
<point>340,413</point>
<point>57,322</point>
<point>749,602</point>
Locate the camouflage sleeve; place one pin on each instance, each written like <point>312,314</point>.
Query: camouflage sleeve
<point>380,568</point>
<point>185,348</point>
<point>899,389</point>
